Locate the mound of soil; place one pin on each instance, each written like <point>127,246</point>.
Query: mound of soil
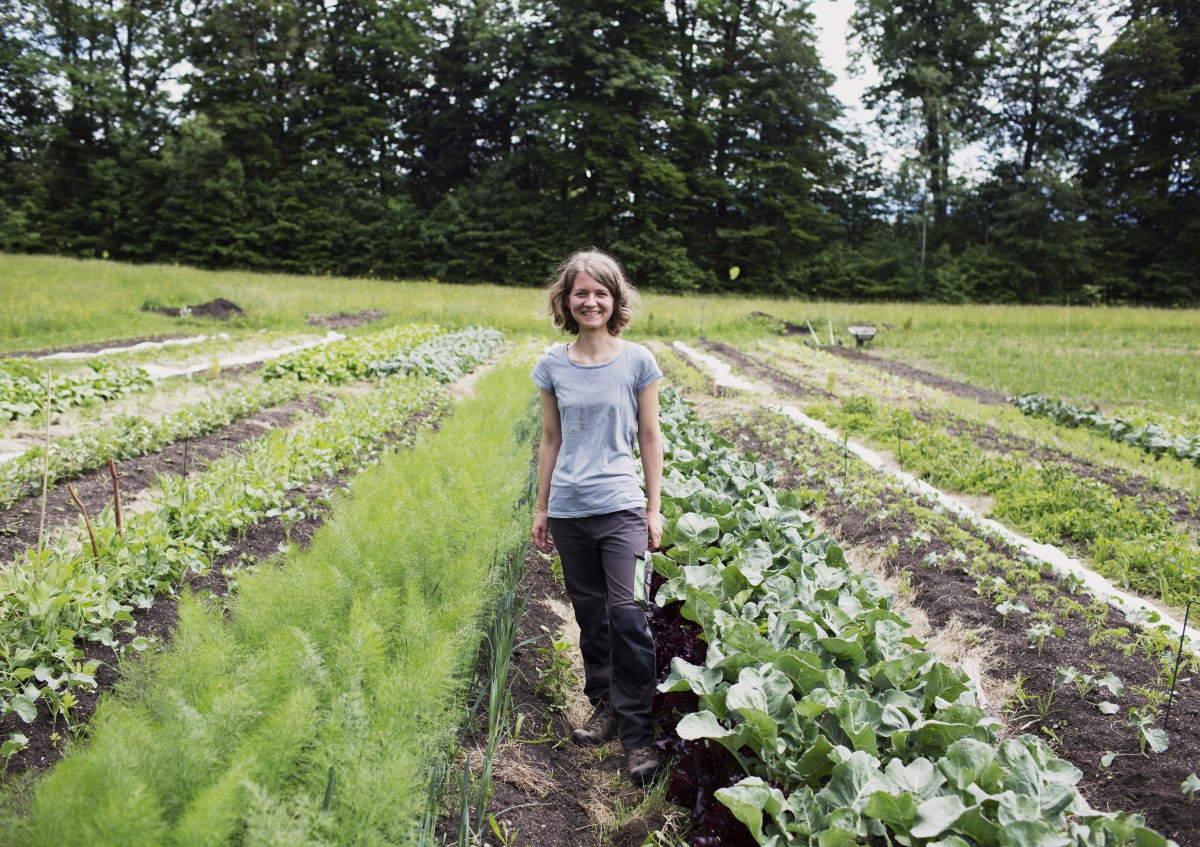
<point>786,327</point>
<point>221,309</point>
<point>343,320</point>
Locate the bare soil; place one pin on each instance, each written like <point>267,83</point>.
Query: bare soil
<point>785,327</point>
<point>548,790</point>
<point>755,367</point>
<point>220,309</point>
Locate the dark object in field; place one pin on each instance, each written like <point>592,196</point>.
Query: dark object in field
<point>863,333</point>
<point>221,309</point>
<point>344,320</point>
<point>785,327</point>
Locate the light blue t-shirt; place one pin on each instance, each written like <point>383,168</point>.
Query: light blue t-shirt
<point>597,405</point>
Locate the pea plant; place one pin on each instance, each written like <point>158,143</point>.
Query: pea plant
<point>130,436</point>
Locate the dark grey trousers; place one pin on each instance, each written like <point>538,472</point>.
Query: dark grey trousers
<point>600,557</point>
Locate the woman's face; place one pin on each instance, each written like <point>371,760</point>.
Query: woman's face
<point>590,302</point>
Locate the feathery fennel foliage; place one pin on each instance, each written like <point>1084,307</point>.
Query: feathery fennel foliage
<point>311,714</point>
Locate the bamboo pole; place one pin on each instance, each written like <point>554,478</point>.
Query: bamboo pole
<point>37,565</point>
<point>87,521</point>
<point>112,469</point>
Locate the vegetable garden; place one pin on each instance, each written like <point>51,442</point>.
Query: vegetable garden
<point>295,606</point>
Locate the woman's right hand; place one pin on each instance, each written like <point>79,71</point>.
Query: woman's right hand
<point>541,531</point>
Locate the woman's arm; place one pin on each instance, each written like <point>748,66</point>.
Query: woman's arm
<point>547,457</point>
<point>650,443</point>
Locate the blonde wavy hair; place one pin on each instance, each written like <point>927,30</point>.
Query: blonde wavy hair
<point>605,270</point>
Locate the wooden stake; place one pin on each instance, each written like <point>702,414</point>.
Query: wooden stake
<point>112,469</point>
<point>1178,658</point>
<point>87,521</point>
<point>37,565</point>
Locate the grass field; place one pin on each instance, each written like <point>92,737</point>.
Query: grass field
<point>1114,357</point>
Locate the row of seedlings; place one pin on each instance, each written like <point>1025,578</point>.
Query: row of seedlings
<point>1151,436</point>
<point>130,436</point>
<point>1095,685</point>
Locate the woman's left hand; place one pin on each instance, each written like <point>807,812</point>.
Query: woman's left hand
<point>654,529</point>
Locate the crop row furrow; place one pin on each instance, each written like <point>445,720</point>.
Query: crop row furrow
<point>129,436</point>
<point>20,523</point>
<point>1142,544</point>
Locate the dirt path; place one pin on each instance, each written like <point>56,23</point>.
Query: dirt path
<point>546,790</point>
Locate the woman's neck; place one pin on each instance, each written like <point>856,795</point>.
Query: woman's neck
<point>595,347</point>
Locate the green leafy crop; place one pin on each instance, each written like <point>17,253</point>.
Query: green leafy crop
<point>845,728</point>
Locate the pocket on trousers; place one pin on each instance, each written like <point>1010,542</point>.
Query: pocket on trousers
<point>641,581</point>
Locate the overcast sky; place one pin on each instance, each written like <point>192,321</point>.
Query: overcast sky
<point>832,18</point>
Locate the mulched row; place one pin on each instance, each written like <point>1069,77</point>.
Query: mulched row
<point>94,346</point>
<point>759,369</point>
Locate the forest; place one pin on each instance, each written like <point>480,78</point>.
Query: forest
<point>698,140</point>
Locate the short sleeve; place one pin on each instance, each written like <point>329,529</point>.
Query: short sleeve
<point>541,373</point>
<point>648,370</point>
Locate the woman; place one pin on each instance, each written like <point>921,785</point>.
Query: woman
<point>599,392</point>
